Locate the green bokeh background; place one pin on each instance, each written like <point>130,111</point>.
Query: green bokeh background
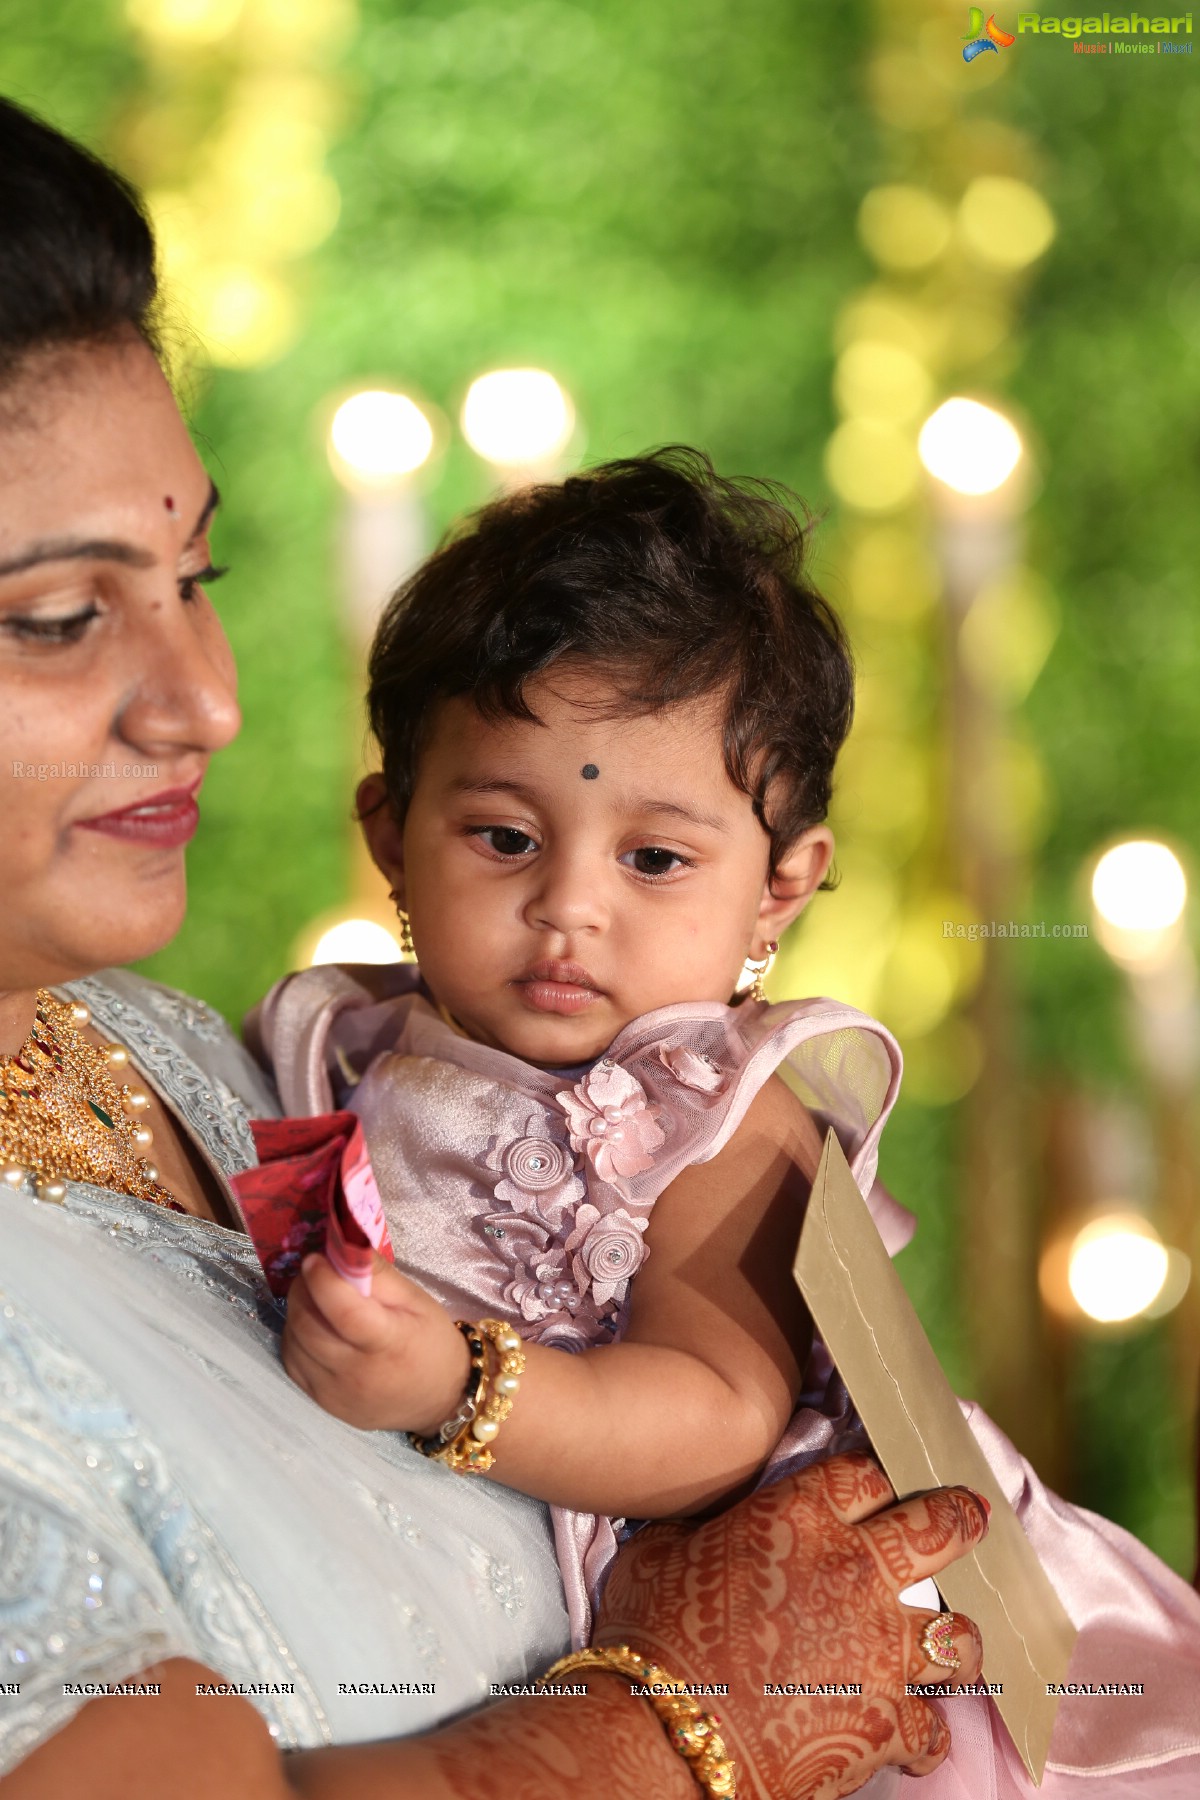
<point>658,203</point>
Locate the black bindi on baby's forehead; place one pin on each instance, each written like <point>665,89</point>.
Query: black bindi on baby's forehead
<point>589,771</point>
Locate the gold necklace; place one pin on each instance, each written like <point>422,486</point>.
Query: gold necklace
<point>66,1115</point>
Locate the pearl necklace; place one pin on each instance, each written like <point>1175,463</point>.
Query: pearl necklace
<point>67,1115</point>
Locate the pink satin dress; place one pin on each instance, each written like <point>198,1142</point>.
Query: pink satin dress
<point>525,1194</point>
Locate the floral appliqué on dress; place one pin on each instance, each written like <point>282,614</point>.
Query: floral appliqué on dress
<point>564,1218</point>
<point>569,1229</point>
<point>537,1173</point>
<point>612,1123</point>
<point>691,1070</point>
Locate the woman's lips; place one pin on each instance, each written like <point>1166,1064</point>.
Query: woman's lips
<point>165,821</point>
<point>557,987</point>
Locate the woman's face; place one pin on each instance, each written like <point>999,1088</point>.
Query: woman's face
<point>116,681</point>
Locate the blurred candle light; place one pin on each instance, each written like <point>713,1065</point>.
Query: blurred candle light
<point>1117,1267</point>
<point>1139,892</point>
<point>969,447</point>
<point>377,439</point>
<point>517,418</point>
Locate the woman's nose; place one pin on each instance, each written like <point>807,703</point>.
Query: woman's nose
<point>185,692</point>
<point>568,893</point>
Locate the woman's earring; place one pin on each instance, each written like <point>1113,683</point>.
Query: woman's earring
<point>757,968</point>
<point>407,948</point>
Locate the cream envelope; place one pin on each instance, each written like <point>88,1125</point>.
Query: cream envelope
<point>920,1436</point>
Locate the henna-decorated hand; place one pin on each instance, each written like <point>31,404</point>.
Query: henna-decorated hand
<point>798,1583</point>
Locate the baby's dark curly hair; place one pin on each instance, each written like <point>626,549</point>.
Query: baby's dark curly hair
<point>672,582</point>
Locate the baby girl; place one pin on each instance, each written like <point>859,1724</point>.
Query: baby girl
<point>608,713</point>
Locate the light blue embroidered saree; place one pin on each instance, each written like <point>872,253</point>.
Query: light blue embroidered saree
<point>165,1489</point>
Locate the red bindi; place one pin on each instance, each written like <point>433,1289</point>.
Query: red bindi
<point>169,503</point>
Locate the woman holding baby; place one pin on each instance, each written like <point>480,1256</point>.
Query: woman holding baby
<point>174,1509</point>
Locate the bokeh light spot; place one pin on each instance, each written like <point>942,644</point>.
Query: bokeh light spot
<point>184,21</point>
<point>903,227</point>
<point>1140,886</point>
<point>1004,223</point>
<point>872,466</point>
<point>1116,1267</point>
<point>377,438</point>
<point>881,381</point>
<point>517,418</point>
<point>246,316</point>
<point>356,941</point>
<point>970,447</point>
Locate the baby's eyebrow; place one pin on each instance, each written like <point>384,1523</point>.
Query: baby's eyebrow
<point>499,786</point>
<point>673,810</point>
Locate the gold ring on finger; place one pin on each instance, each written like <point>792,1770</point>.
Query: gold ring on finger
<point>937,1642</point>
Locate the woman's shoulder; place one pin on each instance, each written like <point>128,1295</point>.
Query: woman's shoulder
<point>164,1027</point>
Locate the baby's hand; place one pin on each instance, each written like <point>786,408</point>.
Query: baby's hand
<point>392,1360</point>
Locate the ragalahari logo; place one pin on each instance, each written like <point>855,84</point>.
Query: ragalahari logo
<point>984,37</point>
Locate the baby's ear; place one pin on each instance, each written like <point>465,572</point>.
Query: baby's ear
<point>802,869</point>
<point>385,839</point>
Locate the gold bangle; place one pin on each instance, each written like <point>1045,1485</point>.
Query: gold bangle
<point>694,1733</point>
<point>491,1389</point>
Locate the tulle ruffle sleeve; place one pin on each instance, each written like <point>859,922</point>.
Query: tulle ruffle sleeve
<point>700,1067</point>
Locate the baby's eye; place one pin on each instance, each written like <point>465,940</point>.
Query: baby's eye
<point>649,859</point>
<point>505,840</point>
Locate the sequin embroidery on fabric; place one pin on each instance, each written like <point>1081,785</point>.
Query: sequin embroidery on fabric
<point>187,1014</point>
<point>142,1580</point>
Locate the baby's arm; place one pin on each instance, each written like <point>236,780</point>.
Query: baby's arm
<point>671,1420</point>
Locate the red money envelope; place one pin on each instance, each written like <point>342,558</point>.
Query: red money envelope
<point>313,1190</point>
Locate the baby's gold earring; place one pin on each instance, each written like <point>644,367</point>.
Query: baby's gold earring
<point>407,948</point>
<point>757,969</point>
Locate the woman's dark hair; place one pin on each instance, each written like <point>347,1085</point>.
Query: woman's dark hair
<point>673,582</point>
<point>76,251</point>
